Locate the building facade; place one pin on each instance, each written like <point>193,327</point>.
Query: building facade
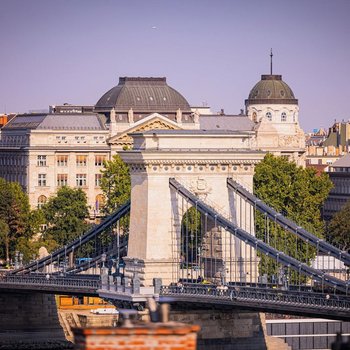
<point>339,173</point>
<point>68,145</point>
<point>44,152</point>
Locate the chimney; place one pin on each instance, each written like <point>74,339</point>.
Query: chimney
<point>136,335</point>
<point>142,336</point>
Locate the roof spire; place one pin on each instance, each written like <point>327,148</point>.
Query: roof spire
<point>271,55</point>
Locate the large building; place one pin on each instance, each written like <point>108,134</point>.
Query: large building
<point>272,113</point>
<point>339,173</point>
<point>44,152</point>
<point>68,146</point>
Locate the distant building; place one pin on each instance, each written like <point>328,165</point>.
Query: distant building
<point>323,149</point>
<point>339,173</point>
<point>5,118</point>
<point>272,114</point>
<point>44,151</point>
<point>339,135</point>
<point>67,108</point>
<point>272,106</point>
<point>68,146</point>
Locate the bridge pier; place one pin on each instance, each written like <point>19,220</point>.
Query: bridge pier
<point>203,162</point>
<point>229,330</point>
<point>30,321</point>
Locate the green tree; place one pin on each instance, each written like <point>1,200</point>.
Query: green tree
<point>298,193</point>
<point>4,237</point>
<point>339,228</point>
<point>65,215</point>
<point>115,183</point>
<point>14,213</point>
<point>191,234</point>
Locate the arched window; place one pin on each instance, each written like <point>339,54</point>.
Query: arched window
<point>255,117</point>
<point>41,201</point>
<point>269,116</point>
<point>99,203</point>
<point>283,117</point>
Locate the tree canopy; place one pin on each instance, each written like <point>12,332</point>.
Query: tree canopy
<point>115,183</point>
<point>298,193</point>
<point>339,228</point>
<point>14,213</point>
<point>65,215</point>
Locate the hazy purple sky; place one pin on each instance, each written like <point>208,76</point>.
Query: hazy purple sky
<point>214,51</point>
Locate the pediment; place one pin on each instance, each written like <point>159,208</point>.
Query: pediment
<point>153,122</point>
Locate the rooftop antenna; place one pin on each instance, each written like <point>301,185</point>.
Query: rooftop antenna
<point>271,55</point>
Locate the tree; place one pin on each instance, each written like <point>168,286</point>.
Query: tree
<point>191,234</point>
<point>115,183</point>
<point>298,193</point>
<point>14,213</point>
<point>65,215</point>
<point>4,236</point>
<point>339,228</point>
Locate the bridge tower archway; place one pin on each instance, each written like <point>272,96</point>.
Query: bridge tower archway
<point>202,161</point>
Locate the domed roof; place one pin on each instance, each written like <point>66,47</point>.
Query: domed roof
<point>271,89</point>
<point>142,95</point>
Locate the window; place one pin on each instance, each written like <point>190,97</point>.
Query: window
<point>269,116</point>
<point>42,180</point>
<point>255,117</point>
<point>81,180</point>
<point>99,160</point>
<point>99,202</point>
<point>62,160</point>
<point>41,201</point>
<point>61,139</point>
<point>80,139</point>
<point>283,117</point>
<point>98,178</point>
<point>81,160</point>
<point>62,180</point>
<point>41,161</point>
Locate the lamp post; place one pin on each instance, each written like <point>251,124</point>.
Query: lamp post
<point>16,259</point>
<point>103,259</point>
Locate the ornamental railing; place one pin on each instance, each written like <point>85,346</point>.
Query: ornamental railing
<point>267,296</point>
<point>51,280</point>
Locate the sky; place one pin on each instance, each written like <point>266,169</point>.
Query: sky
<point>212,51</point>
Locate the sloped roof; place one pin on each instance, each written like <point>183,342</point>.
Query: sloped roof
<point>57,122</point>
<point>226,122</point>
<point>342,162</point>
<point>25,121</point>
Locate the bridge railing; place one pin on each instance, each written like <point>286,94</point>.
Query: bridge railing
<point>52,280</point>
<point>78,242</point>
<point>312,300</point>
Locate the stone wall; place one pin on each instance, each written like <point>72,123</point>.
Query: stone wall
<point>229,330</point>
<point>30,321</point>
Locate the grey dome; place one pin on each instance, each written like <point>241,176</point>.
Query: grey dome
<point>142,95</point>
<point>271,89</point>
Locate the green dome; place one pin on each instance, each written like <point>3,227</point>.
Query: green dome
<point>271,89</point>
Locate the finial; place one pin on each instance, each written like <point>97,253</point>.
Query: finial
<point>271,55</point>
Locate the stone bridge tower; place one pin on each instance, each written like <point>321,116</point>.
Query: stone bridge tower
<point>202,161</point>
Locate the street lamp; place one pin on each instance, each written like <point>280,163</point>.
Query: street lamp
<point>103,259</point>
